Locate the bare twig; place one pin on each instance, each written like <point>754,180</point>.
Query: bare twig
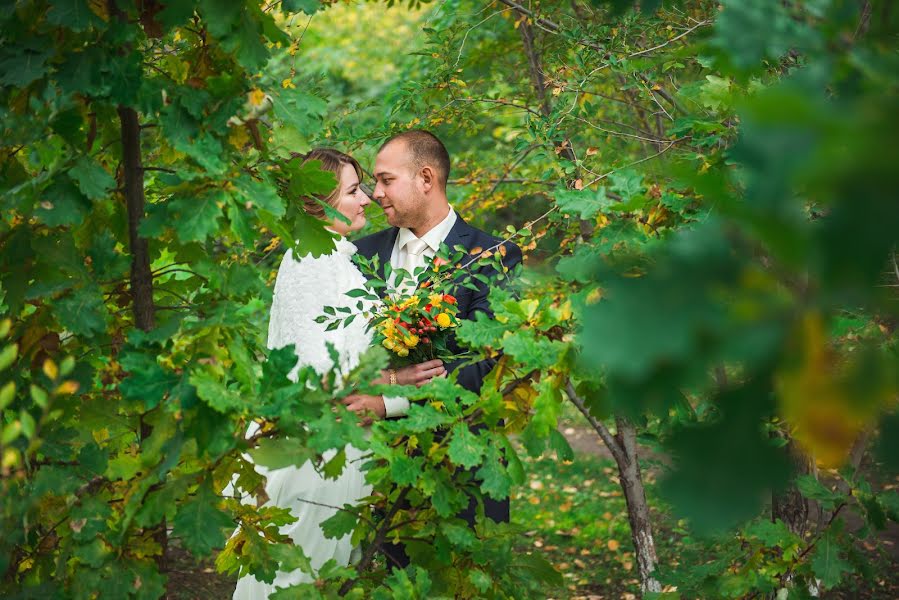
<point>608,439</point>
<point>642,160</point>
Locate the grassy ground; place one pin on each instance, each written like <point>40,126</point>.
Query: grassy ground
<point>578,521</point>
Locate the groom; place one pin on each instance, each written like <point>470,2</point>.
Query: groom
<point>411,171</point>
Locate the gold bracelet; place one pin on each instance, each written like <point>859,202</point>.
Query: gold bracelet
<point>392,373</point>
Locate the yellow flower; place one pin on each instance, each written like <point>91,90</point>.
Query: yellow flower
<point>388,343</point>
<point>403,352</point>
<point>436,300</point>
<point>444,320</point>
<point>257,97</point>
<point>287,83</point>
<point>410,301</point>
<point>411,340</point>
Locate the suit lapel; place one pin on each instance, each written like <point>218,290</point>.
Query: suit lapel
<point>459,234</point>
<point>386,250</point>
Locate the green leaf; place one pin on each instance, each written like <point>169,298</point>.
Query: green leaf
<point>495,481</point>
<point>772,535</point>
<point>198,215</point>
<point>22,64</point>
<point>827,562</point>
<point>277,453</point>
<point>311,236</point>
<point>221,15</point>
<point>40,397</point>
<point>405,470</point>
<point>246,41</point>
<point>310,7</point>
<point>123,467</point>
<point>176,13</point>
<point>215,393</point>
<point>309,179</point>
<point>73,14</point>
<point>7,394</point>
<point>240,224</point>
<point>560,445</point>
<point>810,487</point>
<point>8,355</point>
<point>482,331</point>
<point>480,580</point>
<point>341,523</point>
<point>627,182</point>
<point>459,534</point>
<point>424,417</point>
<point>262,194</point>
<point>92,179</point>
<point>147,381</point>
<point>299,110</point>
<point>82,312</point>
<point>532,352</point>
<point>88,518</point>
<point>465,448</point>
<point>63,204</point>
<point>201,526</point>
<point>584,204</point>
<point>334,467</point>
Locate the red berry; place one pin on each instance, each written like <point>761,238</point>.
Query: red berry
<point>425,340</point>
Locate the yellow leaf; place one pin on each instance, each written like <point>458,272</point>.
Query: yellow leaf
<point>821,400</point>
<point>50,369</point>
<point>67,387</point>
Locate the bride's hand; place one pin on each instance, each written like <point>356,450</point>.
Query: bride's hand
<point>421,373</point>
<point>363,403</point>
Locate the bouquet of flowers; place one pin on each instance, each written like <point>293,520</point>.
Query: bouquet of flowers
<point>415,328</point>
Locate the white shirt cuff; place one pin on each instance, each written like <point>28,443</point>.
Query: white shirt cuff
<point>396,406</point>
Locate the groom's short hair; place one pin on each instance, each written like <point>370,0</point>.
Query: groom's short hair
<point>424,149</point>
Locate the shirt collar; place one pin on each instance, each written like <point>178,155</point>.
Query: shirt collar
<point>432,238</point>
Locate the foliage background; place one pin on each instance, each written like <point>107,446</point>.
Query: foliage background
<point>706,194</point>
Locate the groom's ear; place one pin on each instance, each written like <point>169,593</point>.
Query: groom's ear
<point>428,177</point>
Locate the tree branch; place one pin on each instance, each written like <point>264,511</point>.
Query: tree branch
<point>618,453</point>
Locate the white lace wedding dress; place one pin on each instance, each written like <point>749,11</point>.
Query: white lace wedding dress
<point>303,288</point>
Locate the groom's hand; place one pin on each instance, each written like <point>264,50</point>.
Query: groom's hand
<point>420,374</point>
<point>363,403</point>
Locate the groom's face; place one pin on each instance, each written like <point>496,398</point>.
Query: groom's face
<point>398,187</point>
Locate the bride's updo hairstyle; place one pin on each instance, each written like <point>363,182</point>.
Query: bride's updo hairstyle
<point>332,160</point>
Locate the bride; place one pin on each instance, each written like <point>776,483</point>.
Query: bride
<point>304,286</point>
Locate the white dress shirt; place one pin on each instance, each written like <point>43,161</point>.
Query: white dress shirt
<point>398,406</point>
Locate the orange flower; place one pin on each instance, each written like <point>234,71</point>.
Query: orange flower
<point>449,299</point>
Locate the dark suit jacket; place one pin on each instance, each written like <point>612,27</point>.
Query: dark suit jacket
<point>469,301</point>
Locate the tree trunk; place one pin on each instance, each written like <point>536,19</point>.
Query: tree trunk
<point>790,506</point>
<point>623,447</point>
<point>637,507</point>
<point>141,275</point>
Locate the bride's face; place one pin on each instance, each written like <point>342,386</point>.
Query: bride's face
<point>351,203</point>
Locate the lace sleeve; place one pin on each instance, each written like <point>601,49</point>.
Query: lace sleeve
<point>302,289</point>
